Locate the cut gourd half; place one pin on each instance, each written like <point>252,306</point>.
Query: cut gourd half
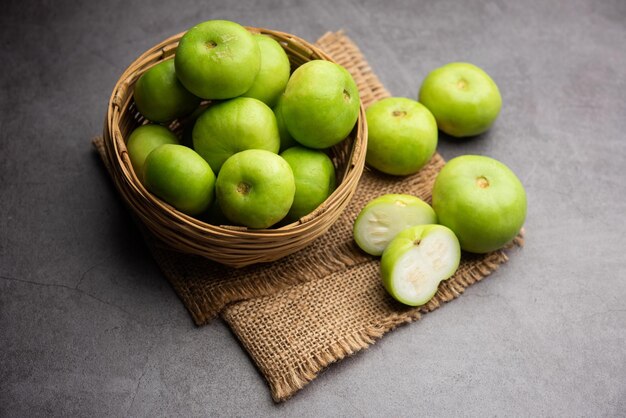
<point>417,260</point>
<point>383,218</point>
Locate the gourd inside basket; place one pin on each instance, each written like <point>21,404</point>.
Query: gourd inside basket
<point>234,246</point>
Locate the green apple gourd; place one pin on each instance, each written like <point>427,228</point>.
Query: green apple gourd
<point>321,104</point>
<point>255,188</point>
<point>314,174</point>
<point>179,176</point>
<point>160,96</point>
<point>463,98</point>
<point>217,59</point>
<point>402,136</point>
<point>273,75</point>
<point>229,127</point>
<point>143,140</point>
<point>481,200</point>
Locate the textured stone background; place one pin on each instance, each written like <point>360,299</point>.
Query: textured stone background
<point>89,327</point>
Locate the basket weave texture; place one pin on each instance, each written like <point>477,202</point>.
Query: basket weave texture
<point>233,246</point>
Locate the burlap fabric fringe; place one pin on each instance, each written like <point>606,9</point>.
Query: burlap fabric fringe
<point>297,315</point>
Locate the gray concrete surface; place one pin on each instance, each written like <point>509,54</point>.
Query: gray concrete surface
<point>89,327</point>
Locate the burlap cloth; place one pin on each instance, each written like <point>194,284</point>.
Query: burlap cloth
<point>297,315</point>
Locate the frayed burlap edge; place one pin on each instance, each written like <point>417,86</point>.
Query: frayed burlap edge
<point>285,386</point>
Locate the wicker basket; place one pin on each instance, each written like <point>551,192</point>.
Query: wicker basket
<point>230,245</point>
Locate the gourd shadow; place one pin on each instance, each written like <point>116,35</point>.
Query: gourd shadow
<point>475,140</point>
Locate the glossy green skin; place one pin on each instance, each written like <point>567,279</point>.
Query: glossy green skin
<point>382,218</point>
<point>286,140</point>
<point>179,176</point>
<point>274,73</point>
<point>402,136</point>
<point>160,97</point>
<point>255,188</point>
<point>404,242</point>
<point>143,140</point>
<point>314,174</point>
<point>321,104</point>
<point>483,218</point>
<point>463,98</point>
<point>217,59</point>
<point>233,126</point>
